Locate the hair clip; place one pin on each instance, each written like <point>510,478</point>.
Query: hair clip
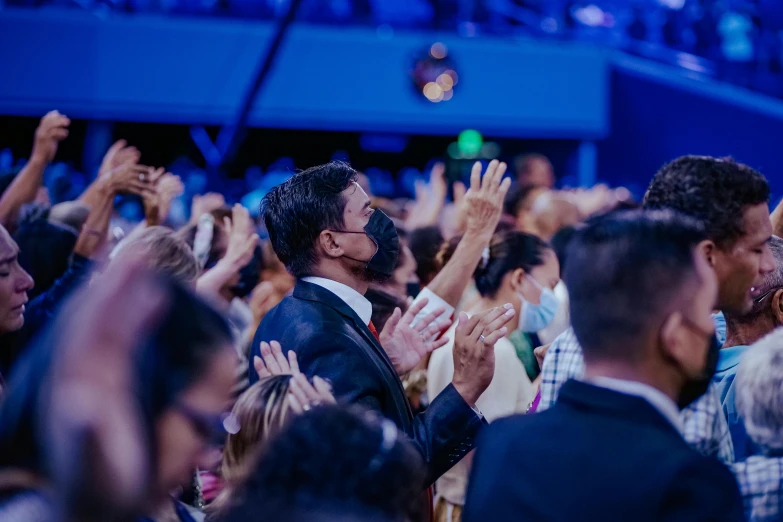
<point>202,243</point>
<point>485,257</point>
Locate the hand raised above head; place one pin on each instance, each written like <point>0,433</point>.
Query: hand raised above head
<point>474,350</point>
<point>481,206</point>
<point>50,132</point>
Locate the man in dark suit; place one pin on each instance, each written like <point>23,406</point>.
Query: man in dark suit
<point>610,449</point>
<point>322,228</point>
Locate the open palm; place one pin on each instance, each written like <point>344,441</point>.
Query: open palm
<point>406,345</point>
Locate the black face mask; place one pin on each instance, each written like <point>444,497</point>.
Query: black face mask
<point>696,388</point>
<point>380,228</point>
<point>412,289</point>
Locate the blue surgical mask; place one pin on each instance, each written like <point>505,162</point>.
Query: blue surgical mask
<point>536,317</point>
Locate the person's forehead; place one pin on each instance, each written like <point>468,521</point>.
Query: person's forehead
<point>756,223</point>
<point>8,246</point>
<point>355,197</point>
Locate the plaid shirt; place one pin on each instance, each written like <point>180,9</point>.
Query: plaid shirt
<point>760,480</point>
<point>704,426</point>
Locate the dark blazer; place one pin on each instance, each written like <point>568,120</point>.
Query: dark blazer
<point>596,455</point>
<point>332,342</point>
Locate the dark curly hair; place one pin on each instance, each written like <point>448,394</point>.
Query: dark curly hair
<point>299,209</point>
<point>716,191</point>
<point>336,460</point>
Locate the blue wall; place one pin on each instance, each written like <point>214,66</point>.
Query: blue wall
<point>196,71</point>
<point>659,113</point>
<point>143,68</point>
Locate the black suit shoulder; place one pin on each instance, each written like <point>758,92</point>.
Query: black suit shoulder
<point>575,463</point>
<point>325,345</point>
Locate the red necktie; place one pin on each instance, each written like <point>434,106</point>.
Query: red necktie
<point>373,331</point>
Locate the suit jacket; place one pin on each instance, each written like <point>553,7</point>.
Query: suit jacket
<point>332,342</point>
<point>596,455</point>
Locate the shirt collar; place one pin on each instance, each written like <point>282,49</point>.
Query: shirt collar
<point>358,303</point>
<point>730,357</point>
<point>656,398</point>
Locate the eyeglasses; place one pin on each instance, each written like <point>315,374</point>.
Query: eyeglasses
<point>209,426</point>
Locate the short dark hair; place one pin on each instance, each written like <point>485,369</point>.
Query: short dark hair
<point>337,460</point>
<point>299,209</point>
<point>624,272</point>
<point>425,244</point>
<point>715,191</point>
<point>507,252</point>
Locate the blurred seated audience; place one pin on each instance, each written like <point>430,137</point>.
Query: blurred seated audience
<point>757,388</point>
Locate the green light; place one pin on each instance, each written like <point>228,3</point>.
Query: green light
<point>470,142</point>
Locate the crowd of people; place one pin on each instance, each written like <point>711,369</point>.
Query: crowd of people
<point>509,351</point>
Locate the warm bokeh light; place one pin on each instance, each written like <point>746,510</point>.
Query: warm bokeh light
<point>438,51</point>
<point>447,95</point>
<point>433,92</point>
<point>453,74</point>
<point>445,81</point>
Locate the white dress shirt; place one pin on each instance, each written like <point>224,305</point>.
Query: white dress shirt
<point>657,399</point>
<point>356,301</point>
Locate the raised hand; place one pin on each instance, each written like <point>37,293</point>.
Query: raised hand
<point>131,178</point>
<point>430,198</point>
<point>482,204</point>
<point>91,396</point>
<point>302,395</point>
<point>273,362</point>
<point>50,132</point>
<point>205,204</point>
<point>118,154</point>
<point>242,238</point>
<point>406,345</point>
<point>157,202</point>
<point>474,350</point>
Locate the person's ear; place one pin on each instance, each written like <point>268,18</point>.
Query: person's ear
<point>777,306</point>
<point>329,243</point>
<point>518,280</point>
<point>708,249</point>
<point>674,342</point>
